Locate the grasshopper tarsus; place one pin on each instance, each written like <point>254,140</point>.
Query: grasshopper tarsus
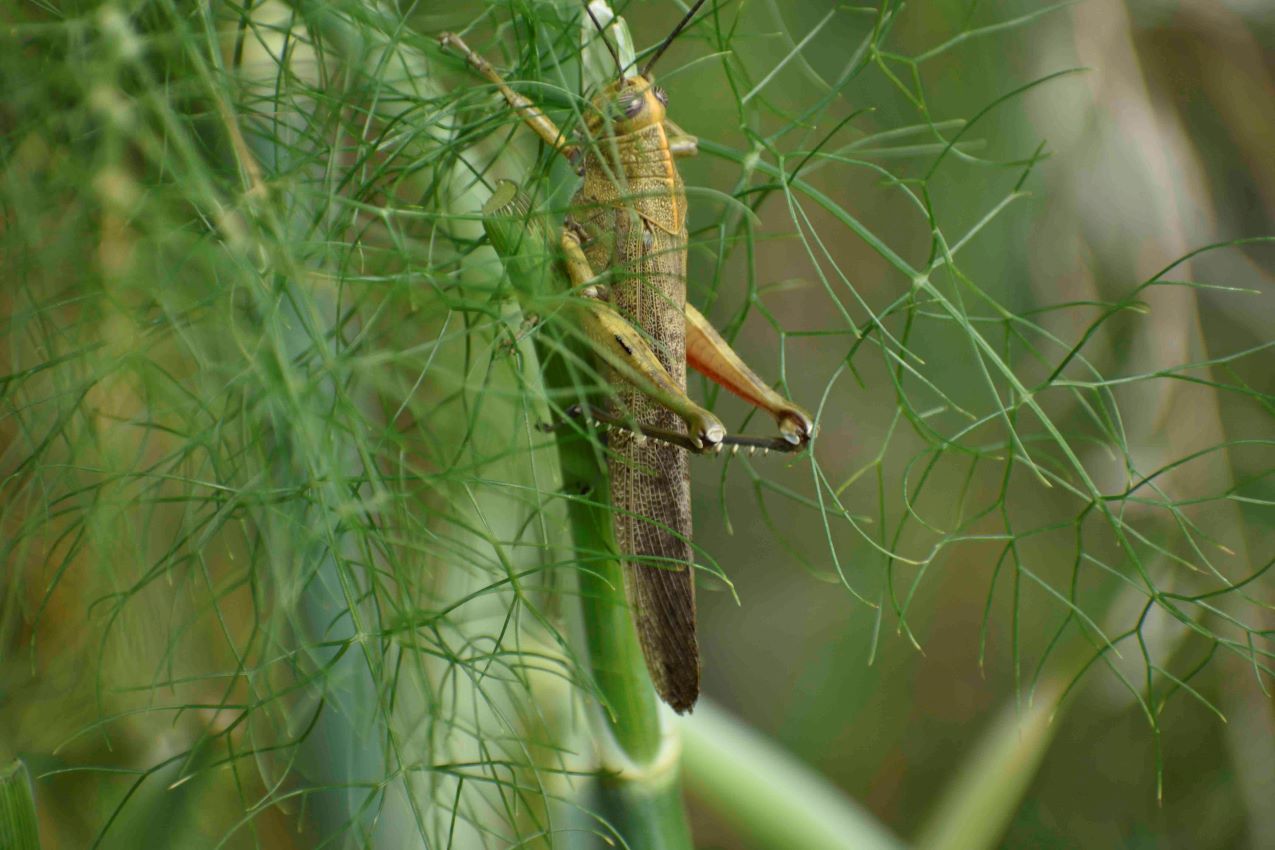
<point>606,422</point>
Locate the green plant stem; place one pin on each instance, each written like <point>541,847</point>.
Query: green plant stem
<point>641,791</point>
<point>981,799</point>
<point>768,795</point>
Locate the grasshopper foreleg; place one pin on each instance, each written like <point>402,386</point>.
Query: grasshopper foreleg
<point>680,143</point>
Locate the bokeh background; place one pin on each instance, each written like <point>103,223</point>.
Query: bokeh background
<point>279,534</point>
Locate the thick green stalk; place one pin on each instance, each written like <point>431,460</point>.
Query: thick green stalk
<point>642,791</point>
<point>18,829</point>
<point>769,796</point>
<point>978,804</point>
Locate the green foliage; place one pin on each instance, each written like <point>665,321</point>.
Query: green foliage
<point>289,557</point>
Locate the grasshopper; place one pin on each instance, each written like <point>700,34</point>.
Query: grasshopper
<point>628,220</point>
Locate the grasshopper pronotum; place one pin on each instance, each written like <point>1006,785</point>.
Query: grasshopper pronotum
<point>628,219</point>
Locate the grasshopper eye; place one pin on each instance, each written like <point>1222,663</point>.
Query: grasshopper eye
<point>661,95</point>
<point>629,105</point>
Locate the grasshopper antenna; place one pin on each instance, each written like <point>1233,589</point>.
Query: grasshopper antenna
<point>619,69</point>
<point>677,30</point>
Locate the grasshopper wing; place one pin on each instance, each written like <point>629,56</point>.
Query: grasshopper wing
<point>650,481</point>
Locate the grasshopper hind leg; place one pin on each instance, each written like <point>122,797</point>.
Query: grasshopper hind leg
<point>710,355</point>
<point>628,353</point>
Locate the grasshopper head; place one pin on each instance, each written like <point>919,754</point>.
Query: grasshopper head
<point>627,106</point>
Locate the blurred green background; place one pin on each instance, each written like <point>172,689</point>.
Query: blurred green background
<point>279,534</point>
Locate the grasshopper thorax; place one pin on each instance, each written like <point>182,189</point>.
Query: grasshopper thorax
<point>627,106</point>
